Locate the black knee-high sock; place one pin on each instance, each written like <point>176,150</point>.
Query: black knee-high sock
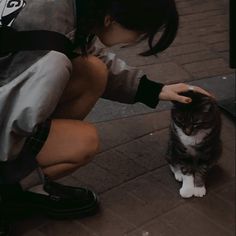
<point>34,178</point>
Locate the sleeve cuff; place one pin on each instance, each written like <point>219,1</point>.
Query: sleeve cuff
<point>148,92</point>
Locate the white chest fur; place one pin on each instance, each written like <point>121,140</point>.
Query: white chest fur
<point>191,140</point>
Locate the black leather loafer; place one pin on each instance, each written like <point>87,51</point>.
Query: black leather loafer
<point>61,202</point>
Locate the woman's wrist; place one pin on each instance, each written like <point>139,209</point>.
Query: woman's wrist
<point>148,92</point>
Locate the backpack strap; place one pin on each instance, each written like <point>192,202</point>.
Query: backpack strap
<point>14,41</point>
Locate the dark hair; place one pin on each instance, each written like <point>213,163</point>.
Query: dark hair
<point>146,16</point>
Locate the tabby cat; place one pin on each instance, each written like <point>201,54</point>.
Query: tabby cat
<point>195,144</point>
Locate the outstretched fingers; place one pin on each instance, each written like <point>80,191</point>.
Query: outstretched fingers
<point>172,92</point>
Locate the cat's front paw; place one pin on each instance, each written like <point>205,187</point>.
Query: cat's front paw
<point>177,172</point>
<point>199,191</point>
<point>186,192</point>
<point>179,176</point>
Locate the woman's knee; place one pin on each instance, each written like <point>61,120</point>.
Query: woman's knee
<point>69,141</point>
<point>91,139</point>
<point>88,144</point>
<point>93,71</point>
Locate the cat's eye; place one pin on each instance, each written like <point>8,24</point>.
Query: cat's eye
<point>200,124</point>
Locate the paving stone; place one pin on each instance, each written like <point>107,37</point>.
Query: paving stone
<point>148,151</point>
<point>186,49</point>
<point>167,179</point>
<point>208,68</point>
<point>158,141</point>
<point>126,206</point>
<point>218,85</point>
<point>65,227</point>
<point>138,126</point>
<point>210,30</point>
<point>221,46</point>
<point>106,110</point>
<point>203,15</point>
<point>229,123</point>
<point>227,192</point>
<point>225,56</point>
<point>120,165</point>
<point>227,162</point>
<point>96,178</point>
<point>228,128</point>
<point>228,133</point>
<point>110,135</point>
<point>182,39</point>
<point>121,131</point>
<point>139,200</point>
<point>151,190</point>
<point>223,172</point>
<point>157,227</point>
<point>215,38</point>
<point>27,226</point>
<point>167,73</point>
<point>228,138</point>
<point>217,177</point>
<point>189,220</point>
<point>209,22</point>
<point>195,57</point>
<point>222,215</point>
<point>209,5</point>
<point>106,223</point>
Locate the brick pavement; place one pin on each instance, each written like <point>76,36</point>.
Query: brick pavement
<point>138,191</point>
<point>139,196</point>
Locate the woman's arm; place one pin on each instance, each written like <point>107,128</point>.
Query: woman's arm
<point>129,85</point>
<point>123,80</point>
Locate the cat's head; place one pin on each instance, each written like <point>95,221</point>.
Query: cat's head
<point>197,115</point>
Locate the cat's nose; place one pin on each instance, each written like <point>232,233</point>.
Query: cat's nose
<point>188,131</point>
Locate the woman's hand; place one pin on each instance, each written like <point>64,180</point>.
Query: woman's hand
<point>171,92</point>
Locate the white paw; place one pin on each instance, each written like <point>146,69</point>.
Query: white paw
<point>199,191</point>
<point>177,172</point>
<point>179,177</point>
<point>186,192</point>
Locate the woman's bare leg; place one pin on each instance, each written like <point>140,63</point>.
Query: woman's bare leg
<point>70,145</point>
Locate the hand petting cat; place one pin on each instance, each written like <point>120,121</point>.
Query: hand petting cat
<point>171,92</point>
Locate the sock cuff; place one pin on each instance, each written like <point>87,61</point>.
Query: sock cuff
<point>36,177</point>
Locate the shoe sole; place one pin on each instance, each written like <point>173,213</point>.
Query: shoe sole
<point>90,210</point>
<point>17,211</point>
<point>76,213</point>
